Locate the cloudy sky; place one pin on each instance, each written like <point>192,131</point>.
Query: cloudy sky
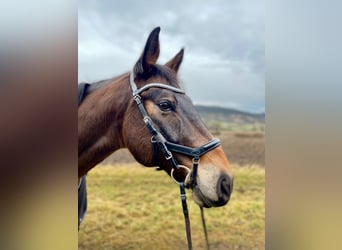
<point>223,40</point>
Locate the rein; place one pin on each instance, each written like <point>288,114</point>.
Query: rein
<point>160,144</point>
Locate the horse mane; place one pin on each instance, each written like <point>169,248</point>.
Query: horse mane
<point>99,84</point>
<point>159,70</point>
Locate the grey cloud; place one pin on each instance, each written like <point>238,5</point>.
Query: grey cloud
<point>223,40</point>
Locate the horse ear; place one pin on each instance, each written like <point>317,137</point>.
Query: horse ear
<point>175,62</point>
<point>150,54</point>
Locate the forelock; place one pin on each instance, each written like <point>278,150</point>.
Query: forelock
<point>167,73</point>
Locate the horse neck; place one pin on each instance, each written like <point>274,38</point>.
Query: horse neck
<point>100,119</point>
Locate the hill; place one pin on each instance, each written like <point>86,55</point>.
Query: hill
<point>211,113</point>
<point>224,119</point>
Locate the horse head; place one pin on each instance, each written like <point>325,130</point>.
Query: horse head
<point>176,119</point>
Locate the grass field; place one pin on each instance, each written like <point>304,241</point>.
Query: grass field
<point>132,207</point>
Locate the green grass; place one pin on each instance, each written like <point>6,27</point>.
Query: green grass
<point>221,126</point>
<point>132,207</point>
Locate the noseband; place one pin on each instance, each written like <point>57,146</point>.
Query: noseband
<point>160,144</point>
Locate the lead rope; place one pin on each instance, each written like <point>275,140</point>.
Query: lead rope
<point>204,228</point>
<point>195,162</point>
<point>186,214</point>
<point>187,219</point>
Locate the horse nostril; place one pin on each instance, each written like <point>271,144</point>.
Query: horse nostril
<point>224,188</point>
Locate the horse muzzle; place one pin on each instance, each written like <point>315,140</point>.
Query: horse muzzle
<point>209,195</point>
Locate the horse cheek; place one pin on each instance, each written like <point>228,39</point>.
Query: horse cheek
<point>137,140</point>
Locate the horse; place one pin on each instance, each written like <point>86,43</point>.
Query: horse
<point>146,111</point>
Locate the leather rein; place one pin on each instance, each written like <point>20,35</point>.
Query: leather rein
<point>160,144</point>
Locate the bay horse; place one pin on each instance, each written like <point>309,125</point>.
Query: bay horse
<point>147,112</point>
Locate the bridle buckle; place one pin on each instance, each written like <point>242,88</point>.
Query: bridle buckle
<point>137,99</point>
<point>195,160</point>
<point>168,155</point>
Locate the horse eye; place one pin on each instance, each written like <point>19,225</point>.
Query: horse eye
<point>165,106</point>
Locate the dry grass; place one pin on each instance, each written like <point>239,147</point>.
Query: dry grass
<point>131,207</point>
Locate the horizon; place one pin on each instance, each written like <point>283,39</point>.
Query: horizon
<point>229,108</point>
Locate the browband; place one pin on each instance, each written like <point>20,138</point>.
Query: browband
<point>137,91</point>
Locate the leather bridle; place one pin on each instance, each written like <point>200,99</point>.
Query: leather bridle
<point>160,144</point>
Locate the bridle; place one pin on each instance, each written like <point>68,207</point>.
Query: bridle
<point>160,144</point>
